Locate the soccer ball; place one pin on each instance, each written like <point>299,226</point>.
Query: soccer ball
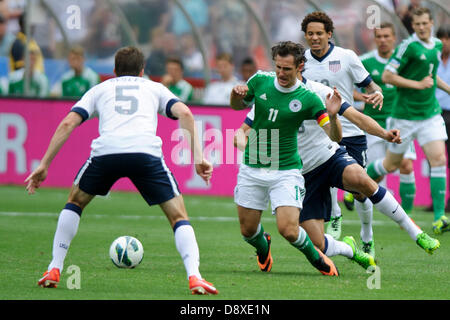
<point>126,252</point>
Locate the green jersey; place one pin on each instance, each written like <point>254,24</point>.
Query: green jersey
<point>73,85</point>
<point>38,84</point>
<point>279,112</point>
<point>375,65</point>
<point>183,90</point>
<point>414,59</point>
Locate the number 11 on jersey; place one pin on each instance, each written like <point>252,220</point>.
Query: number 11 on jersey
<point>273,114</point>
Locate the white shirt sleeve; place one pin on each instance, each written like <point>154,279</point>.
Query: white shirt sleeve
<point>85,107</point>
<point>359,74</point>
<point>166,100</point>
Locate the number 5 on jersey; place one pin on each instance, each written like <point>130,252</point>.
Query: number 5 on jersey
<point>126,102</point>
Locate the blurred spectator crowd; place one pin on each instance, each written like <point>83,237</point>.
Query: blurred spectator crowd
<point>72,43</point>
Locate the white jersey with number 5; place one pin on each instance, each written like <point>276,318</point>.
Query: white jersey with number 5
<point>340,68</point>
<point>127,108</point>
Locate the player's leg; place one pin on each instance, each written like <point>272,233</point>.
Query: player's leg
<point>251,197</point>
<point>446,116</point>
<point>435,153</point>
<point>316,209</point>
<point>431,137</point>
<point>66,229</point>
<point>395,153</point>
<point>355,178</point>
<point>286,196</point>
<point>334,227</point>
<point>287,222</point>
<point>407,187</point>
<point>253,233</point>
<point>186,244</point>
<point>158,186</point>
<point>91,180</point>
<point>325,242</point>
<point>356,148</point>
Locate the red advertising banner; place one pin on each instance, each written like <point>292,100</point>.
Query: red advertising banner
<point>26,127</point>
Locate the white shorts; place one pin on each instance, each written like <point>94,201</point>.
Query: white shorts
<point>376,149</point>
<point>423,131</point>
<point>256,187</point>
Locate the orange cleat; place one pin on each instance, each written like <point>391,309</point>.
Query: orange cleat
<point>49,279</point>
<point>325,265</point>
<point>266,266</point>
<point>201,286</point>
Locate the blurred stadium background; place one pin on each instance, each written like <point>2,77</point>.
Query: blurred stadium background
<point>194,30</point>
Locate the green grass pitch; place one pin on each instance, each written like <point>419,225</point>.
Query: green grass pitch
<point>27,226</point>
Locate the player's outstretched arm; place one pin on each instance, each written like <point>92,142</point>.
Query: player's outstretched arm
<point>237,96</point>
<point>183,113</point>
<point>441,84</point>
<point>370,126</point>
<point>374,95</point>
<point>401,82</point>
<point>62,133</point>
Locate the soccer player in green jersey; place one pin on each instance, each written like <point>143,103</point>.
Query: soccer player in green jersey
<point>417,114</point>
<point>271,167</point>
<point>375,61</point>
<point>173,79</point>
<point>38,81</point>
<point>80,78</point>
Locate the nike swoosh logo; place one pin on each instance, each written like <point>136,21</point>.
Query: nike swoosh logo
<point>393,212</point>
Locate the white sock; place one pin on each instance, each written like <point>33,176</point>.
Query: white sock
<point>335,247</point>
<point>186,244</point>
<point>379,168</point>
<point>335,209</point>
<point>383,183</point>
<point>365,212</point>
<point>300,239</point>
<point>385,202</point>
<point>66,229</point>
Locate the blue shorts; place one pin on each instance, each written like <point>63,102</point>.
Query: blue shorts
<point>149,174</point>
<point>356,148</point>
<point>317,201</point>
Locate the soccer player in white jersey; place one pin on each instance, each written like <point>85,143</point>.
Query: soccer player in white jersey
<point>335,66</point>
<point>325,165</point>
<point>412,69</point>
<point>127,107</point>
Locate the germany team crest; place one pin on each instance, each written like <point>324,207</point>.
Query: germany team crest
<point>295,105</point>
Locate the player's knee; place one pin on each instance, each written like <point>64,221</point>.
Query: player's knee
<point>406,167</point>
<point>319,242</point>
<point>290,233</point>
<point>248,231</point>
<point>438,160</point>
<point>356,178</point>
<point>392,164</point>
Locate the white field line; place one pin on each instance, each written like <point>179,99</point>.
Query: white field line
<point>193,218</point>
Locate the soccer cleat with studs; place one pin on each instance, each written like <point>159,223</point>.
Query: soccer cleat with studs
<point>325,265</point>
<point>368,247</point>
<point>334,227</point>
<point>365,260</point>
<point>201,286</point>
<point>50,279</point>
<point>427,243</point>
<point>265,263</point>
<point>441,225</point>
